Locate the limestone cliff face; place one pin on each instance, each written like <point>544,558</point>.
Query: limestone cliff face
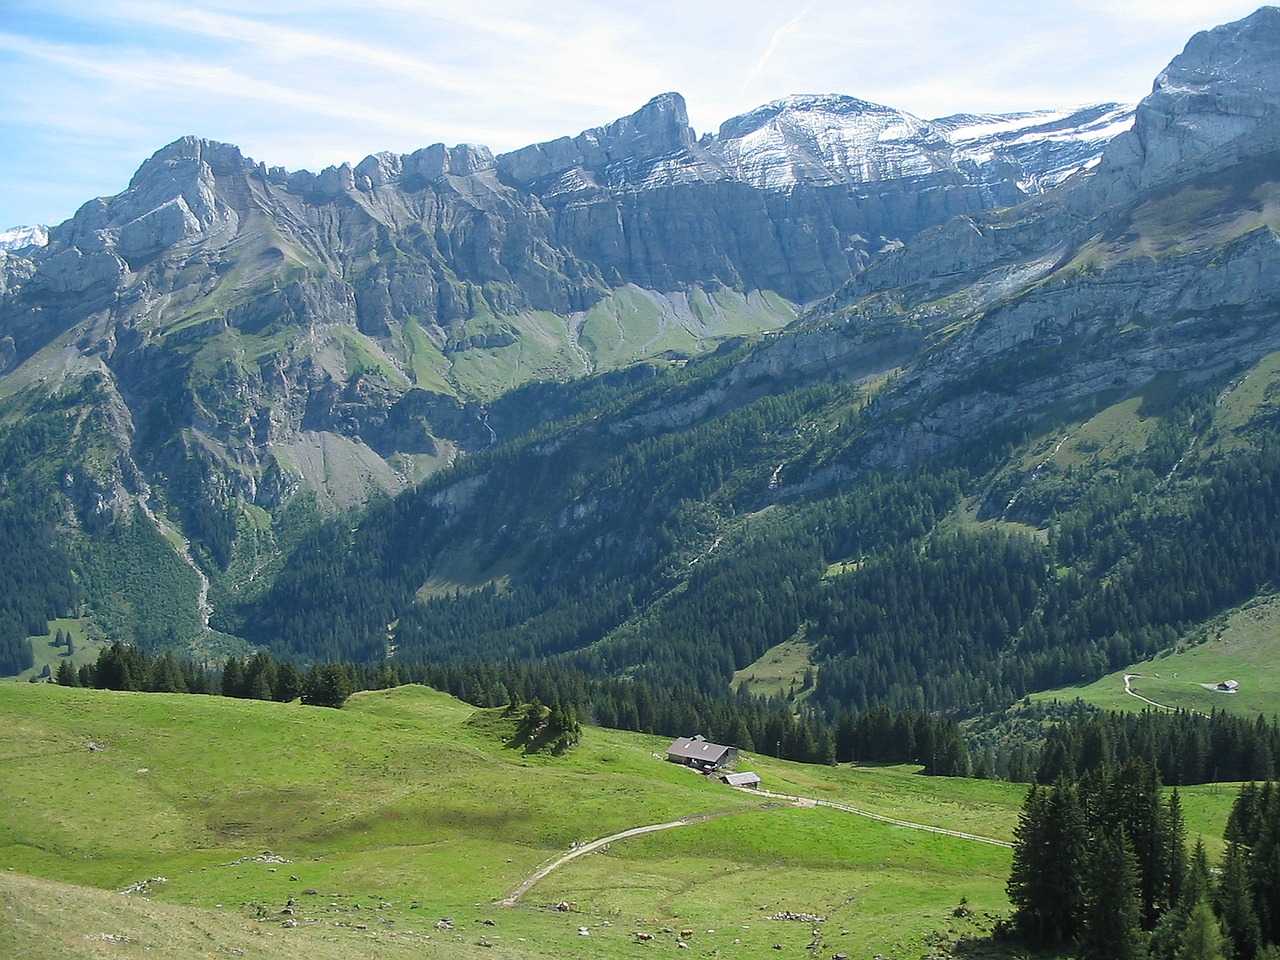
<point>1164,260</point>
<point>340,330</point>
<point>1217,102</point>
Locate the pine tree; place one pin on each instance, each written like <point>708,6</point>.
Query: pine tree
<point>1202,939</point>
<point>1111,925</point>
<point>233,678</point>
<point>259,677</point>
<point>1175,866</point>
<point>1045,883</point>
<point>327,685</point>
<point>166,675</point>
<point>67,675</point>
<point>1234,902</point>
<point>288,683</point>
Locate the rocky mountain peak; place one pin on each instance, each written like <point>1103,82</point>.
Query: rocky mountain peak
<point>220,158</point>
<point>1216,101</point>
<point>807,138</point>
<point>658,129</point>
<point>799,108</point>
<point>173,197</point>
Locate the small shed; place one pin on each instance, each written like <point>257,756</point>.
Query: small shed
<point>747,779</point>
<point>700,753</point>
<point>1229,686</point>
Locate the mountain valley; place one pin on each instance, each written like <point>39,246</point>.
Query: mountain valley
<point>649,404</point>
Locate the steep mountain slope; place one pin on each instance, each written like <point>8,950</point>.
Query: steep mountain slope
<point>194,368</point>
<point>1095,367</point>
<point>225,349</point>
<point>355,315</point>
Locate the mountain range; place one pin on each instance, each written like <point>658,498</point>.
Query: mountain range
<point>365,314</point>
<point>648,401</point>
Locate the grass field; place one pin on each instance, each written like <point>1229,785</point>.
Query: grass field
<point>1243,646</point>
<point>374,823</point>
<point>87,642</point>
<point>779,671</point>
<point>406,807</point>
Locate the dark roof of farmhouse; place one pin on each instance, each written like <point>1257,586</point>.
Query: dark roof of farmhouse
<point>696,748</point>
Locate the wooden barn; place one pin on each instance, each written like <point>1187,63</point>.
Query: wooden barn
<point>700,753</point>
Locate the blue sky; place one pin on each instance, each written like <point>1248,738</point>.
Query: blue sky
<point>90,90</point>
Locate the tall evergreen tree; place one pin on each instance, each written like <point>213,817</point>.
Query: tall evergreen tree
<point>1234,902</point>
<point>233,678</point>
<point>259,677</point>
<point>167,675</point>
<point>1048,856</point>
<point>288,683</point>
<point>1111,924</point>
<point>1202,939</point>
<point>327,685</point>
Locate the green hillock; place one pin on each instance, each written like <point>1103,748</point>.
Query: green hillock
<point>366,826</point>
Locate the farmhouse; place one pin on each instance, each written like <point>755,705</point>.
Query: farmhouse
<point>700,753</point>
<point>1229,686</point>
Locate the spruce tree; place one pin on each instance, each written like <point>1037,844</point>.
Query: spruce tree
<point>259,677</point>
<point>1111,925</point>
<point>1202,939</point>
<point>166,675</point>
<point>1234,902</point>
<point>1048,855</point>
<point>327,685</point>
<point>288,683</point>
<point>233,678</point>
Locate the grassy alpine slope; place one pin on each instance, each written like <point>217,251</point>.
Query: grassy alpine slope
<point>406,807</point>
<point>1241,645</point>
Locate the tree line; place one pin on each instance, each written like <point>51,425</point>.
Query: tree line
<point>1101,865</point>
<point>1045,741</point>
<point>125,666</point>
<point>758,724</point>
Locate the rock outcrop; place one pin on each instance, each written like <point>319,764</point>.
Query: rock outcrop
<point>1121,275</point>
<point>261,315</point>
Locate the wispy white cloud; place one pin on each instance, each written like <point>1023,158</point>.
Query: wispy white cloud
<point>776,38</point>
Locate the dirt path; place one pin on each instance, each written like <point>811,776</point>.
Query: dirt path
<point>547,868</point>
<point>959,834</point>
<point>1133,693</point>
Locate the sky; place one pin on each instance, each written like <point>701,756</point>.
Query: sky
<point>89,90</point>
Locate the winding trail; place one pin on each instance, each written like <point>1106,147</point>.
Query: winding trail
<point>958,834</point>
<point>1133,693</point>
<point>547,868</point>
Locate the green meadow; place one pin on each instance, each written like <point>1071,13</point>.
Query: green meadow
<point>1243,646</point>
<point>395,826</point>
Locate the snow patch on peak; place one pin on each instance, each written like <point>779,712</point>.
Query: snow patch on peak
<point>822,139</point>
<point>1047,145</point>
<point>19,238</point>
